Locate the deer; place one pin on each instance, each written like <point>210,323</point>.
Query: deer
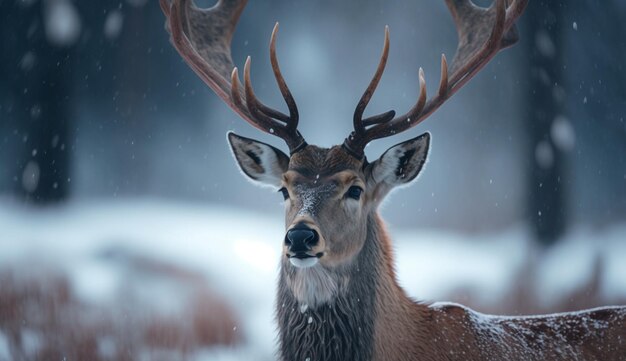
<point>337,295</point>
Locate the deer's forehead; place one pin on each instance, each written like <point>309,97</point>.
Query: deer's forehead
<point>300,181</point>
<point>315,162</point>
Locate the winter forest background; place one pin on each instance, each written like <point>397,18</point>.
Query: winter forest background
<point>127,232</point>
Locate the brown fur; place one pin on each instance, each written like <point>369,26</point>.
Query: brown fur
<point>315,160</point>
<point>453,332</point>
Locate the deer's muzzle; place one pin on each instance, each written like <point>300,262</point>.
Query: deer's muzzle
<point>300,242</point>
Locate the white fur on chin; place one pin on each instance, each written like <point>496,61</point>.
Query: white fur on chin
<point>303,262</point>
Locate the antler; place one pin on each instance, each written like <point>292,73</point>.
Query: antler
<point>482,33</point>
<point>202,37</point>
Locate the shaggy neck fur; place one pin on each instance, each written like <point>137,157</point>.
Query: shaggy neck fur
<point>339,323</point>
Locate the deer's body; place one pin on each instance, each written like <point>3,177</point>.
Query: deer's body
<point>338,298</point>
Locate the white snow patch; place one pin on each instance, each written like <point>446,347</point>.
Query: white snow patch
<point>32,341</point>
<point>565,267</point>
<point>614,254</point>
<point>434,265</point>
<point>5,353</point>
<point>255,253</point>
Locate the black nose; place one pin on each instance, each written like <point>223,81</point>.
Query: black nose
<point>301,240</point>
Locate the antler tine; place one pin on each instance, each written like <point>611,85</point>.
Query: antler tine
<point>443,79</point>
<point>354,142</point>
<point>482,33</point>
<point>253,103</point>
<point>259,106</point>
<point>359,124</point>
<point>235,94</point>
<point>287,132</point>
<point>282,85</point>
<point>378,119</point>
<point>292,119</point>
<point>202,37</point>
<point>405,121</point>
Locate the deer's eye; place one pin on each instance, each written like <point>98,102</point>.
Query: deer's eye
<point>354,192</point>
<point>285,192</point>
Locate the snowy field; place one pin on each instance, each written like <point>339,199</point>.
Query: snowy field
<point>140,255</point>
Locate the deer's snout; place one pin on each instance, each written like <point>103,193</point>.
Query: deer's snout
<point>301,240</point>
<point>303,244</point>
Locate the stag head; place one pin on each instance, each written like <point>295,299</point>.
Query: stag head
<point>329,194</point>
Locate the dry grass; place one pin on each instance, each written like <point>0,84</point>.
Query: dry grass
<point>43,319</point>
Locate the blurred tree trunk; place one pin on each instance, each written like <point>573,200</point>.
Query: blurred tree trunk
<point>39,82</point>
<point>545,104</point>
<point>597,98</point>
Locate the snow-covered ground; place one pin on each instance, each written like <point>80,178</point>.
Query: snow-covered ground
<point>236,253</point>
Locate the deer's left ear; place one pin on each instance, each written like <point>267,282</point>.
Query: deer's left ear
<point>401,163</point>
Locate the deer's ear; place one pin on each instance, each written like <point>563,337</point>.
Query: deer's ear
<point>401,163</point>
<point>259,161</point>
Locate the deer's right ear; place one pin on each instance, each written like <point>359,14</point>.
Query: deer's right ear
<point>259,161</point>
